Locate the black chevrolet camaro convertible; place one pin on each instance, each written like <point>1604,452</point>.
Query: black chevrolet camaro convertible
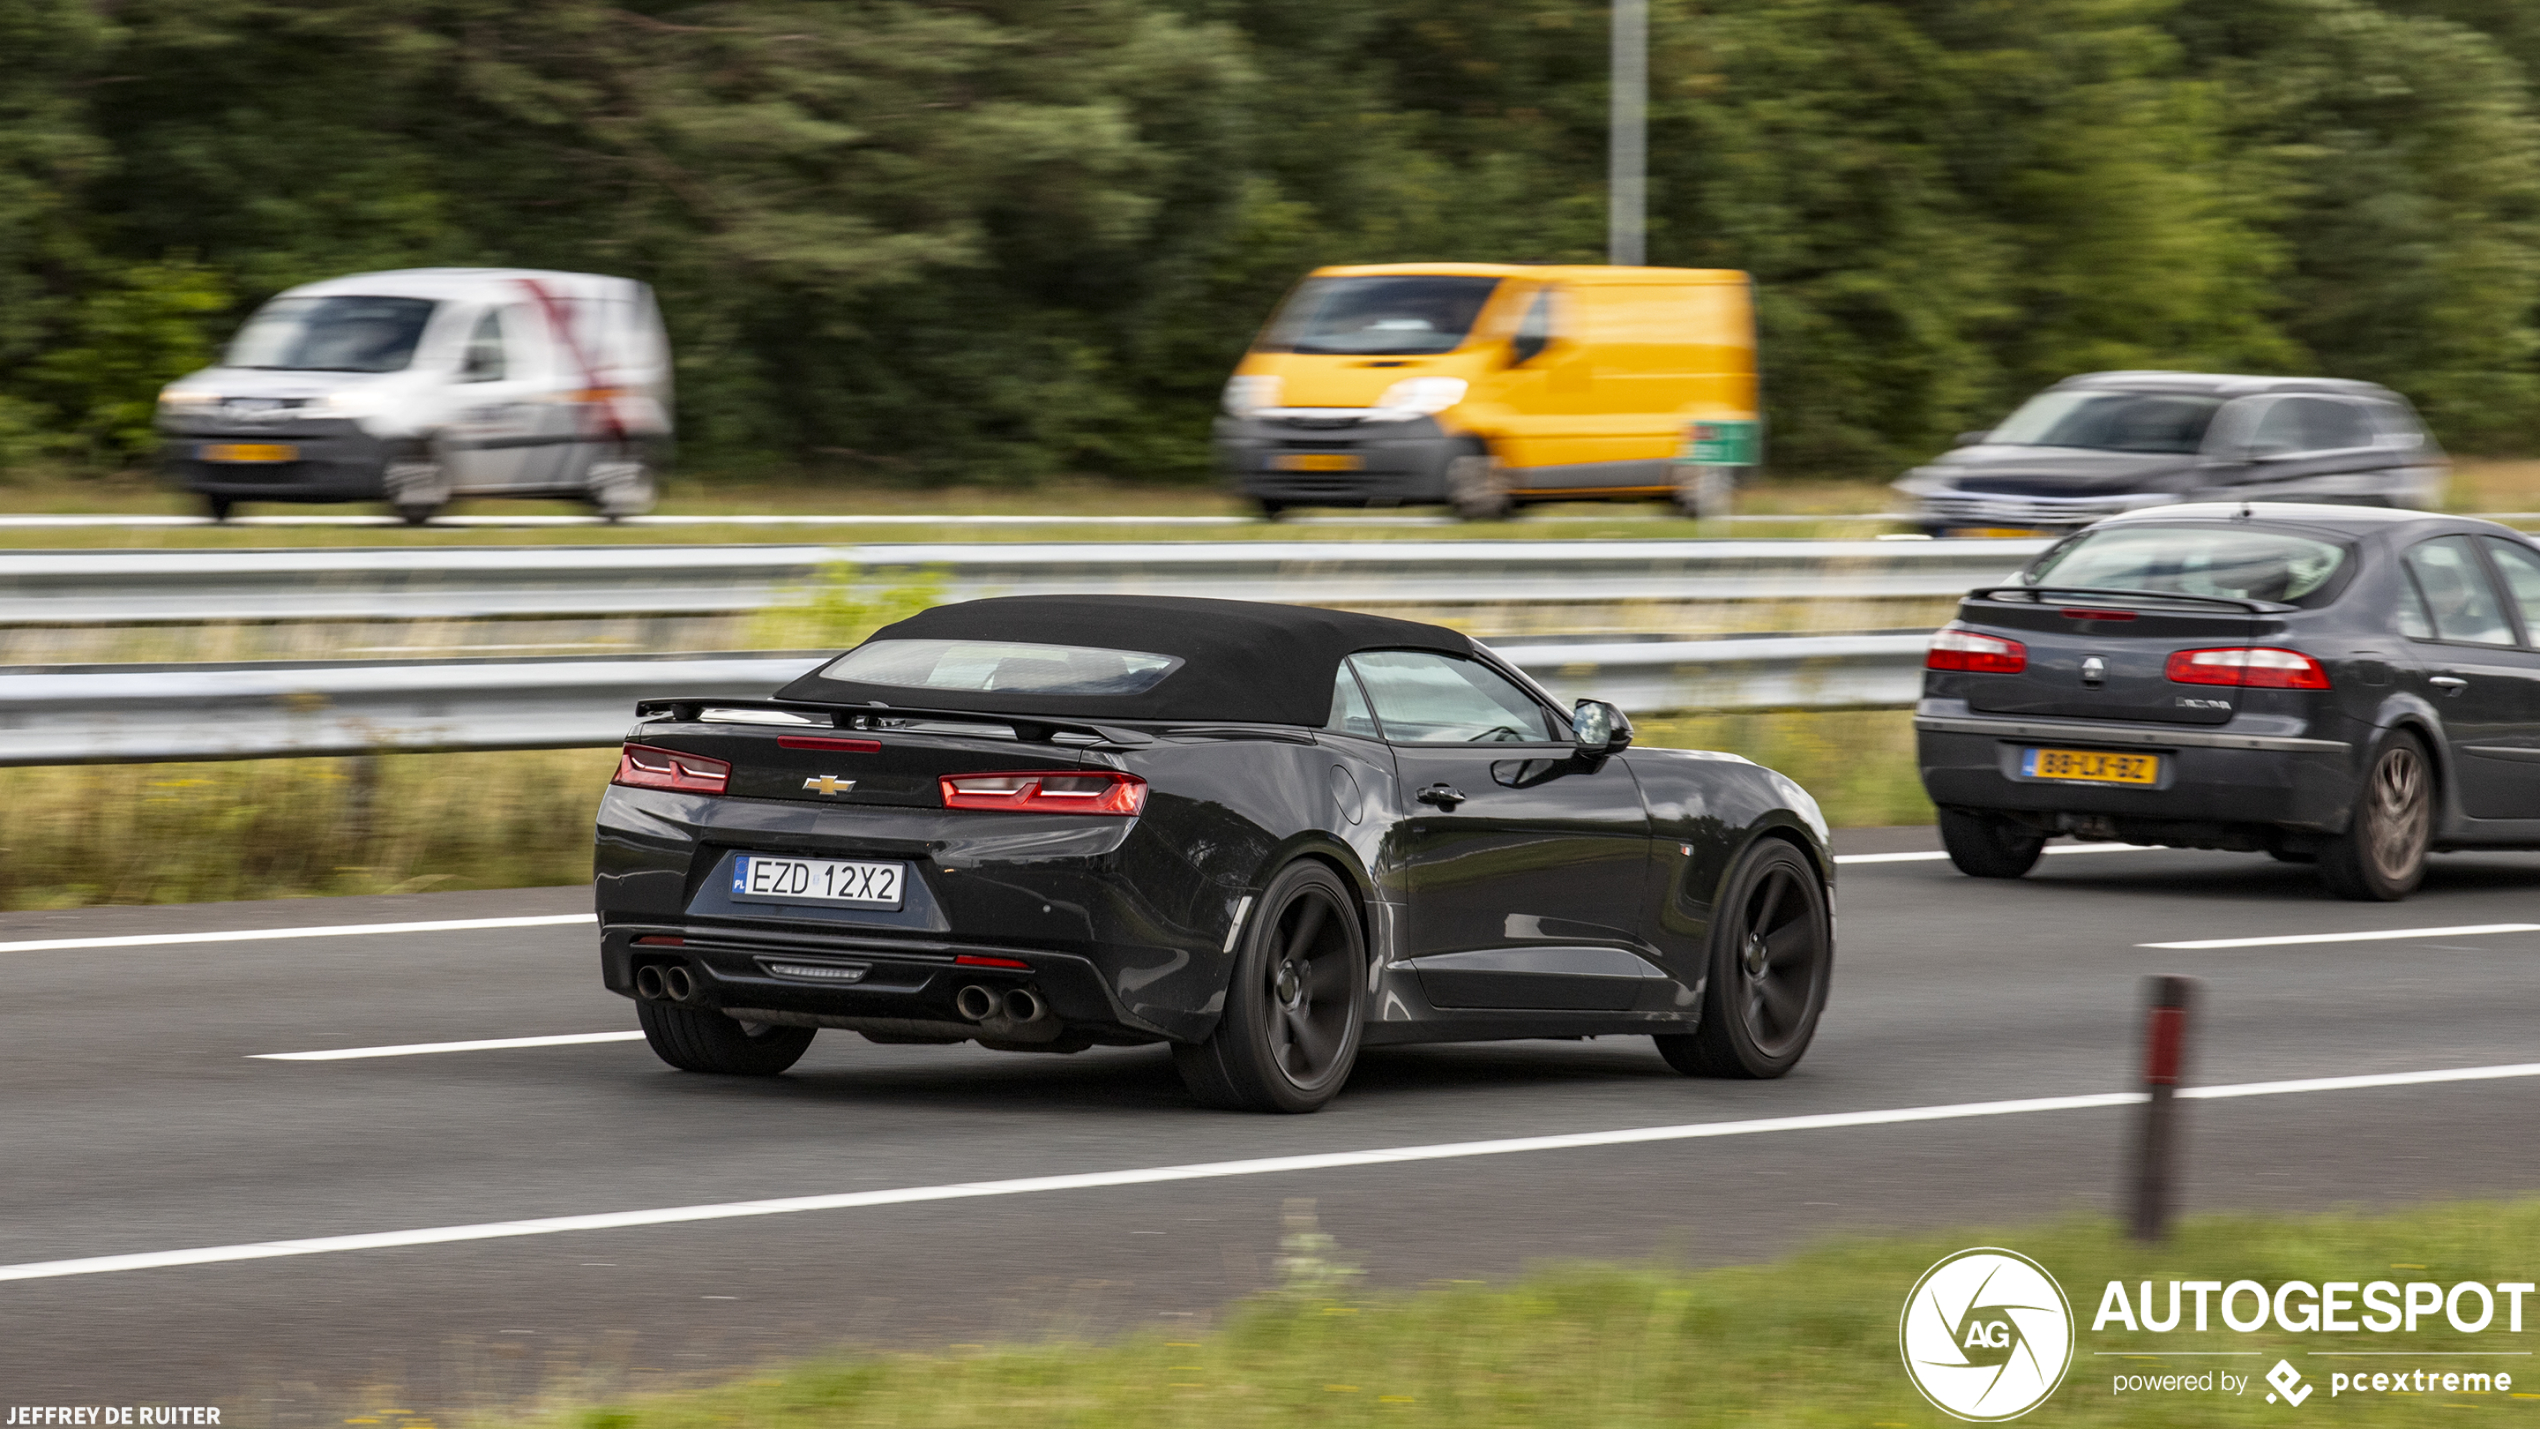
<point>1266,835</point>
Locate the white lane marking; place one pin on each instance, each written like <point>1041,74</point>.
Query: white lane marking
<point>258,935</point>
<point>1207,1171</point>
<point>418,1049</point>
<point>2286,940</point>
<point>1933,855</point>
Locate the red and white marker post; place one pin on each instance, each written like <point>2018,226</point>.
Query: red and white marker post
<point>2168,1002</point>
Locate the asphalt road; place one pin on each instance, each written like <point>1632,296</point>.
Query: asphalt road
<point>137,1118</point>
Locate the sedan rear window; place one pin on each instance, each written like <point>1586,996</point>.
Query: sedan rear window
<point>1002,665</point>
<point>2237,562</point>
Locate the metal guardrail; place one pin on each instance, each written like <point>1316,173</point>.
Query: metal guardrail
<point>155,713</point>
<point>118,588</point>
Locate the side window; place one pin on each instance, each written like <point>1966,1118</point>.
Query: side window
<point>1439,699</point>
<point>2279,430</point>
<point>2520,566</point>
<point>2457,592</point>
<point>1350,714</point>
<point>1534,331</point>
<point>484,361</point>
<point>2336,426</point>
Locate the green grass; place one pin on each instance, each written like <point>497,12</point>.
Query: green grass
<point>1810,1340</point>
<point>402,823</point>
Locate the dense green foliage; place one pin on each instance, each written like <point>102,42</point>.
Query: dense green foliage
<point>1015,237</point>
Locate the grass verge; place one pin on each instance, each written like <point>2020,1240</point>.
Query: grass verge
<point>406,823</point>
<point>1806,1341</point>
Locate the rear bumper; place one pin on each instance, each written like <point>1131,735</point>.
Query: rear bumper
<point>2210,779</point>
<point>1396,462</point>
<point>335,461</point>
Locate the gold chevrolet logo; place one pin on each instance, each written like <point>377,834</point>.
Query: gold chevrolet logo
<point>829,784</point>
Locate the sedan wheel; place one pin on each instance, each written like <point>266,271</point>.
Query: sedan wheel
<point>1772,949</point>
<point>1289,1033</point>
<point>2381,856</point>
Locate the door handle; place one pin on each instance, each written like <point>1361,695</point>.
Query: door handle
<point>1440,795</point>
<point>2449,684</point>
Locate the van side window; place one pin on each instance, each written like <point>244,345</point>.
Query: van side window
<point>1534,332</point>
<point>484,362</point>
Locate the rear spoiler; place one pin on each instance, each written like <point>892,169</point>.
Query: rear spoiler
<point>1028,729</point>
<point>2106,595</point>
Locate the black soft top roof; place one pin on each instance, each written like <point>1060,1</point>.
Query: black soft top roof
<point>1243,660</point>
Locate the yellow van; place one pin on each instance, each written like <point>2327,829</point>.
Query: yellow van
<point>1487,385</point>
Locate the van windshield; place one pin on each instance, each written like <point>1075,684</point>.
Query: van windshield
<point>2234,561</point>
<point>338,334</point>
<point>2110,421</point>
<point>1396,315</point>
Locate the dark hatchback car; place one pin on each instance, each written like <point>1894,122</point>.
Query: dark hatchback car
<point>2111,442</point>
<point>1262,834</point>
<point>2322,683</point>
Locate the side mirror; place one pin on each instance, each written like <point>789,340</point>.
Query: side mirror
<point>1968,439</point>
<point>1599,728</point>
<point>1526,347</point>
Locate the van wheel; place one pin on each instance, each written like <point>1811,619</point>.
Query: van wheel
<point>1268,509</point>
<point>218,507</point>
<point>2381,856</point>
<point>621,487</point>
<point>1479,488</point>
<point>417,487</point>
<point>1988,846</point>
<point>1705,493</point>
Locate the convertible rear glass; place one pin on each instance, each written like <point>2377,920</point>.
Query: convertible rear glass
<point>2232,561</point>
<point>1002,665</point>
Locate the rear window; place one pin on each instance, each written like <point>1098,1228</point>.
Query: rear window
<point>2234,561</point>
<point>1395,316</point>
<point>1001,665</point>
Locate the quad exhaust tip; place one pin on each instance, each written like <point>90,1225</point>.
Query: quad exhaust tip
<point>648,981</point>
<point>1024,1005</point>
<point>676,982</point>
<point>976,1003</point>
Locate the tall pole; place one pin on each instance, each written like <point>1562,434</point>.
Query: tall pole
<point>1627,181</point>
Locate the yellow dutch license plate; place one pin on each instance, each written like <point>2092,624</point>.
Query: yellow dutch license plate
<point>2091,766</point>
<point>2011,533</point>
<point>1317,461</point>
<point>251,451</point>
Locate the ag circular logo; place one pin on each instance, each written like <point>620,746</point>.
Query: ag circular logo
<point>1987,1335</point>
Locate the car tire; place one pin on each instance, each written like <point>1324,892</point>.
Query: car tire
<point>1478,487</point>
<point>1289,1032</point>
<point>1989,846</point>
<point>2381,856</point>
<point>1772,953</point>
<point>417,486</point>
<point>1705,493</point>
<point>620,486</point>
<point>1268,509</point>
<point>699,1040</point>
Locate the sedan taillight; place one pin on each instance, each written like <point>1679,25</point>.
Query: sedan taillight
<point>1059,791</point>
<point>645,767</point>
<point>2252,667</point>
<point>1954,648</point>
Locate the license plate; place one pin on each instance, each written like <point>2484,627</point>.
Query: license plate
<point>2011,533</point>
<point>1316,461</point>
<point>757,878</point>
<point>2090,766</point>
<point>251,451</point>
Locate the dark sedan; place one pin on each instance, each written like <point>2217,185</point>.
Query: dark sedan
<point>2325,684</point>
<point>2111,442</point>
<point>1265,835</point>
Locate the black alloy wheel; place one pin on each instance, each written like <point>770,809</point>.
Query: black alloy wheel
<point>2381,856</point>
<point>701,1040</point>
<point>1289,1033</point>
<point>1988,845</point>
<point>1772,951</point>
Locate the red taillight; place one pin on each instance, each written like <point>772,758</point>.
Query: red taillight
<point>2078,614</point>
<point>1955,649</point>
<point>1057,791</point>
<point>837,746</point>
<point>2254,667</point>
<point>645,767</point>
<point>973,960</point>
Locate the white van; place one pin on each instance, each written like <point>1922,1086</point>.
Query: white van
<point>425,384</point>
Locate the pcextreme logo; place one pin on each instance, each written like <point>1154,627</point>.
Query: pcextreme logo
<point>1987,1335</point>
